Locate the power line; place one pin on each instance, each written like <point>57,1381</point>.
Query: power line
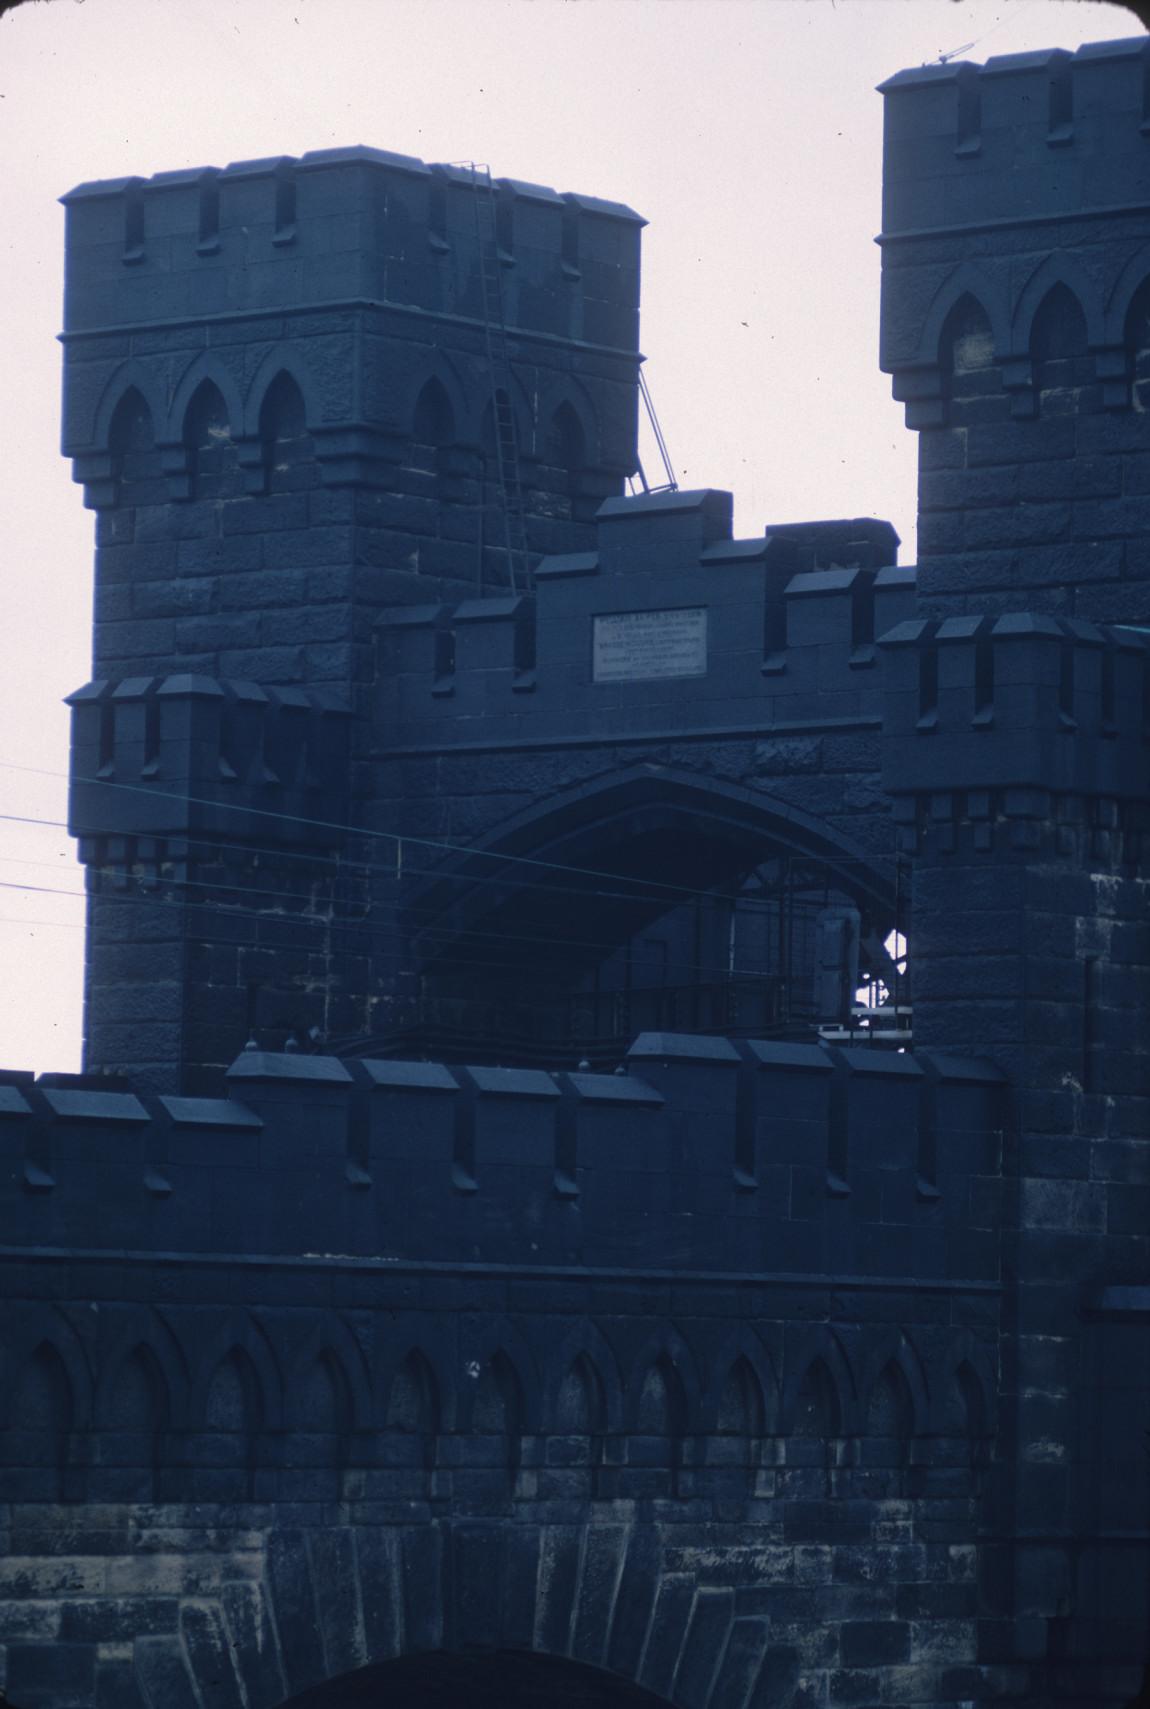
<point>360,924</point>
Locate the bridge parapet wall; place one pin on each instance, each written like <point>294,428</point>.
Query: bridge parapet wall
<point>708,1155</point>
<point>1024,715</point>
<point>189,755</point>
<point>669,623</point>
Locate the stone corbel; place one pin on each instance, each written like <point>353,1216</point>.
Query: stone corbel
<point>920,390</point>
<point>251,455</point>
<point>95,471</point>
<point>1112,366</point>
<point>176,468</point>
<point>1018,383</point>
<point>359,456</point>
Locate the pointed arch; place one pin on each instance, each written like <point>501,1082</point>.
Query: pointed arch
<point>564,397</point>
<point>966,1389</point>
<point>743,1349</point>
<point>967,281</point>
<point>1058,328</point>
<point>465,400</point>
<point>46,1326</point>
<point>496,1402</point>
<point>134,376</point>
<point>433,418</point>
<point>524,406</point>
<point>890,1406</point>
<point>141,1335</point>
<point>205,369</point>
<point>571,826</point>
<point>412,1404</point>
<point>664,1368</point>
<point>566,439</point>
<point>587,1343</point>
<point>330,1342</point>
<point>894,1359</point>
<point>1136,327</point>
<point>287,449</point>
<point>1123,294</point>
<point>1058,269</point>
<point>411,1345</point>
<point>820,1394</point>
<point>742,1408</point>
<point>210,443</point>
<point>42,1397</point>
<point>283,411</point>
<point>132,425</point>
<point>238,1335</point>
<point>41,1422</point>
<point>580,1406</point>
<point>966,341</point>
<point>501,1349</point>
<point>281,361</point>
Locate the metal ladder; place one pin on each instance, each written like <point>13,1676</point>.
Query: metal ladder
<point>504,423</point>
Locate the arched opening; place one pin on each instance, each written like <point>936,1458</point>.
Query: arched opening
<point>648,903</point>
<point>511,1679</point>
<point>661,1416</point>
<point>288,447</point>
<point>135,1416</point>
<point>496,1420</point>
<point>564,454</point>
<point>740,1423</point>
<point>972,1400</point>
<point>212,454</point>
<point>818,1412</point>
<point>970,373</point>
<point>40,1421</point>
<point>566,442</point>
<point>1138,342</point>
<point>1059,351</point>
<point>889,1421</point>
<point>232,1418</point>
<point>578,1441</point>
<point>132,443</point>
<point>432,427</point>
<point>412,1420</point>
<point>321,1414</point>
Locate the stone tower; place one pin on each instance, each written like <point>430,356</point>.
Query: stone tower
<point>1016,289</point>
<point>284,402</point>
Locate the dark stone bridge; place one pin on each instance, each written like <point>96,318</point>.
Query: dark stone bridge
<point>490,1256</point>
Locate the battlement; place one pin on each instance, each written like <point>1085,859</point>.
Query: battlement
<point>351,226</point>
<point>1022,700</point>
<point>186,756</point>
<point>669,619</point>
<point>1025,137</point>
<point>753,1157</point>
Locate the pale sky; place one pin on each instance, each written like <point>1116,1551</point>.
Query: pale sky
<point>747,132</point>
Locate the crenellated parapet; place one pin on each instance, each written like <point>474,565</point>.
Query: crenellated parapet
<point>669,622</point>
<point>191,756</point>
<point>347,224</point>
<point>357,274</point>
<point>706,1154</point>
<point>1016,325</point>
<point>1037,153</point>
<point>1005,726</point>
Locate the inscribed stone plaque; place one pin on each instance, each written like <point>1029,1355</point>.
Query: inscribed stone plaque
<point>630,646</point>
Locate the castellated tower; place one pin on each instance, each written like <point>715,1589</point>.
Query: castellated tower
<point>298,392</point>
<point>1016,323</point>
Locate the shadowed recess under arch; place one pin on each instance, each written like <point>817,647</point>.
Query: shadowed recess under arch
<point>502,1679</point>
